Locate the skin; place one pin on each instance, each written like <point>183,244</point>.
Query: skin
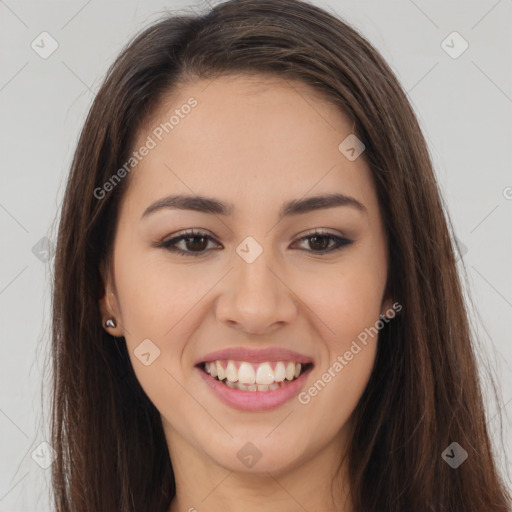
<point>256,142</point>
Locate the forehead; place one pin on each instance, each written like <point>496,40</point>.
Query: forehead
<point>246,136</point>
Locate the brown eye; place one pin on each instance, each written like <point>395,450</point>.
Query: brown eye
<point>196,243</point>
<point>324,243</point>
<point>192,243</point>
<point>319,242</point>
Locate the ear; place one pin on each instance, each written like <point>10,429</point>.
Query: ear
<point>109,305</point>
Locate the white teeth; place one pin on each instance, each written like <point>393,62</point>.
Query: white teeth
<point>221,373</point>
<point>231,372</point>
<point>280,372</point>
<point>264,375</point>
<point>290,370</point>
<point>247,378</point>
<point>254,387</point>
<point>246,373</point>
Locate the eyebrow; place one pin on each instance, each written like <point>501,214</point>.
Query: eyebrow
<point>205,204</point>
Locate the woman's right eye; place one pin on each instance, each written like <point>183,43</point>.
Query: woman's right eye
<point>195,243</point>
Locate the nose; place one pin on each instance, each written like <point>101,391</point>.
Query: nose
<point>255,298</point>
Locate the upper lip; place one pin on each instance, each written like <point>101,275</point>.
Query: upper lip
<point>253,355</point>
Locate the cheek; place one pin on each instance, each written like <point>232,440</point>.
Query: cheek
<point>337,389</point>
<point>162,305</point>
<point>347,306</point>
<point>348,321</point>
<point>345,301</point>
<point>157,310</point>
<point>154,293</point>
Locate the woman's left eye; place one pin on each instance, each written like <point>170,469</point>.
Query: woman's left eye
<point>196,242</point>
<point>319,238</point>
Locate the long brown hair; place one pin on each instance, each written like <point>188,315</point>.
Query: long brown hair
<point>424,392</point>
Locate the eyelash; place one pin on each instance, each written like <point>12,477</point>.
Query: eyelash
<point>169,244</point>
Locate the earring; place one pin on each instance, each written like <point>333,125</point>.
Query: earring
<point>110,323</point>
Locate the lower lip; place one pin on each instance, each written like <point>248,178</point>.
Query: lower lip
<point>255,400</point>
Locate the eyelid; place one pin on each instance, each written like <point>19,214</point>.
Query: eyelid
<point>321,231</point>
<point>186,233</point>
<point>191,232</point>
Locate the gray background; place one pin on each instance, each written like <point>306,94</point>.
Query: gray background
<point>463,105</point>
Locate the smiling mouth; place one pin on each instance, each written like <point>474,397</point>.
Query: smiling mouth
<point>246,376</point>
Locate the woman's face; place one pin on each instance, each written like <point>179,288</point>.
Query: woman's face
<point>255,282</point>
